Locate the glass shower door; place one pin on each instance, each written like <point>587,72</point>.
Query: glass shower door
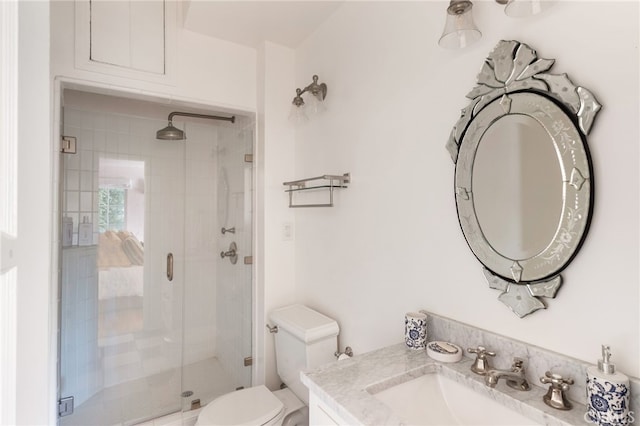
<point>218,295</point>
<point>153,319</point>
<point>234,315</point>
<point>122,273</point>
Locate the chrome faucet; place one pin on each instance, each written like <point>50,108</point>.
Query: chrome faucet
<point>514,377</point>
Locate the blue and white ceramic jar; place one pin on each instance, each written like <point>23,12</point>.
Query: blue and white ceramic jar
<point>415,330</point>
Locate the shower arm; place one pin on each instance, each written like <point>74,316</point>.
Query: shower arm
<point>190,114</point>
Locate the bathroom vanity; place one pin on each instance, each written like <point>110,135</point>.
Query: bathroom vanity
<point>369,389</point>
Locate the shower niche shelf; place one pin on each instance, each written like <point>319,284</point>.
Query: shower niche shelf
<point>326,182</point>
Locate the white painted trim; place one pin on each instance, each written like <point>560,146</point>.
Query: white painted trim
<point>8,207</point>
<point>8,304</point>
<point>92,86</point>
<point>8,115</point>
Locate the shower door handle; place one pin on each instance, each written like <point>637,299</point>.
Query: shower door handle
<point>170,266</point>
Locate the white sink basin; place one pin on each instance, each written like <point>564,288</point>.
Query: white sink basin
<point>433,399</point>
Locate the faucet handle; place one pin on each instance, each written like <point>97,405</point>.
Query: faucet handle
<point>481,350</point>
<point>555,396</point>
<point>556,380</point>
<point>481,364</point>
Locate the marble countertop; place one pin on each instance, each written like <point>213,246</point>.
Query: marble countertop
<point>347,387</point>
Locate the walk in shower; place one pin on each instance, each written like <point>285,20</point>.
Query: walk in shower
<point>154,316</point>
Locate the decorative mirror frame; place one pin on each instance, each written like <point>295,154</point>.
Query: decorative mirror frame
<point>514,81</point>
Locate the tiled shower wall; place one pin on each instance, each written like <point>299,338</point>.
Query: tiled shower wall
<point>80,175</point>
<point>201,233</point>
<point>79,346</point>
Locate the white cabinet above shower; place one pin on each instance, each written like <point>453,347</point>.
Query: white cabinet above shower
<point>124,38</point>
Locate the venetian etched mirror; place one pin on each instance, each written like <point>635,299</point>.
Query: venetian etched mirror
<point>523,175</point>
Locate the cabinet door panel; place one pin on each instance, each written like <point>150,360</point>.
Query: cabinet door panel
<point>129,34</point>
<point>320,414</point>
<point>147,36</point>
<point>110,32</point>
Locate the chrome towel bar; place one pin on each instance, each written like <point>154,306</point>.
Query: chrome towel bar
<point>334,181</point>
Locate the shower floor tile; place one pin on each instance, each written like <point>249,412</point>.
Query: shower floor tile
<point>142,400</point>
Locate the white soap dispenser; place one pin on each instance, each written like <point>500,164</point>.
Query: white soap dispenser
<point>607,393</point>
<point>85,232</point>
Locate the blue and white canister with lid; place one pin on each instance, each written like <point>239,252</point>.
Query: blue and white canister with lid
<point>607,393</point>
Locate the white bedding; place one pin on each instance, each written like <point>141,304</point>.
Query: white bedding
<point>120,282</point>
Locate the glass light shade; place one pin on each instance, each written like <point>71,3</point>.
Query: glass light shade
<point>524,8</point>
<point>315,104</point>
<point>297,114</point>
<point>459,30</point>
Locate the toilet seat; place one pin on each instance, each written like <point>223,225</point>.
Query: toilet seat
<point>252,406</point>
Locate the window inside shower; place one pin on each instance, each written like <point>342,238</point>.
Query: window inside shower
<point>135,342</point>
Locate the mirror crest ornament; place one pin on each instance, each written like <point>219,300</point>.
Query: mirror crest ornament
<point>514,81</point>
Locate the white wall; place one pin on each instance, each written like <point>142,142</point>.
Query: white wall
<point>275,164</point>
<point>9,71</point>
<point>35,372</point>
<point>392,243</point>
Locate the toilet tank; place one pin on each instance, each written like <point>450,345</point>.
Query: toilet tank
<point>306,339</point>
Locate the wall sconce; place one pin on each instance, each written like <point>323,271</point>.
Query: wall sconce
<point>460,30</point>
<point>298,107</point>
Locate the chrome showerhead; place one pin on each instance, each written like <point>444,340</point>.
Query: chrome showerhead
<point>174,134</point>
<point>170,133</point>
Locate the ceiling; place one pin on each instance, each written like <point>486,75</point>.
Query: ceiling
<point>251,22</point>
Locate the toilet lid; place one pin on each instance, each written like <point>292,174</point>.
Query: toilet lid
<point>252,406</point>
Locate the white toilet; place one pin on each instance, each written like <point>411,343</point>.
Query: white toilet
<point>305,339</point>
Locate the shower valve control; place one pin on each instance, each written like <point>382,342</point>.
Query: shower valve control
<point>232,253</point>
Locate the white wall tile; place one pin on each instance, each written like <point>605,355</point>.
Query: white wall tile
<point>124,143</point>
<point>86,203</point>
<point>99,140</point>
<point>71,161</point>
<point>72,202</point>
<point>72,180</point>
<point>86,160</point>
<point>84,141</point>
<point>86,180</point>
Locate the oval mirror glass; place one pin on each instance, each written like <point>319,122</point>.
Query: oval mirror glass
<point>517,186</point>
